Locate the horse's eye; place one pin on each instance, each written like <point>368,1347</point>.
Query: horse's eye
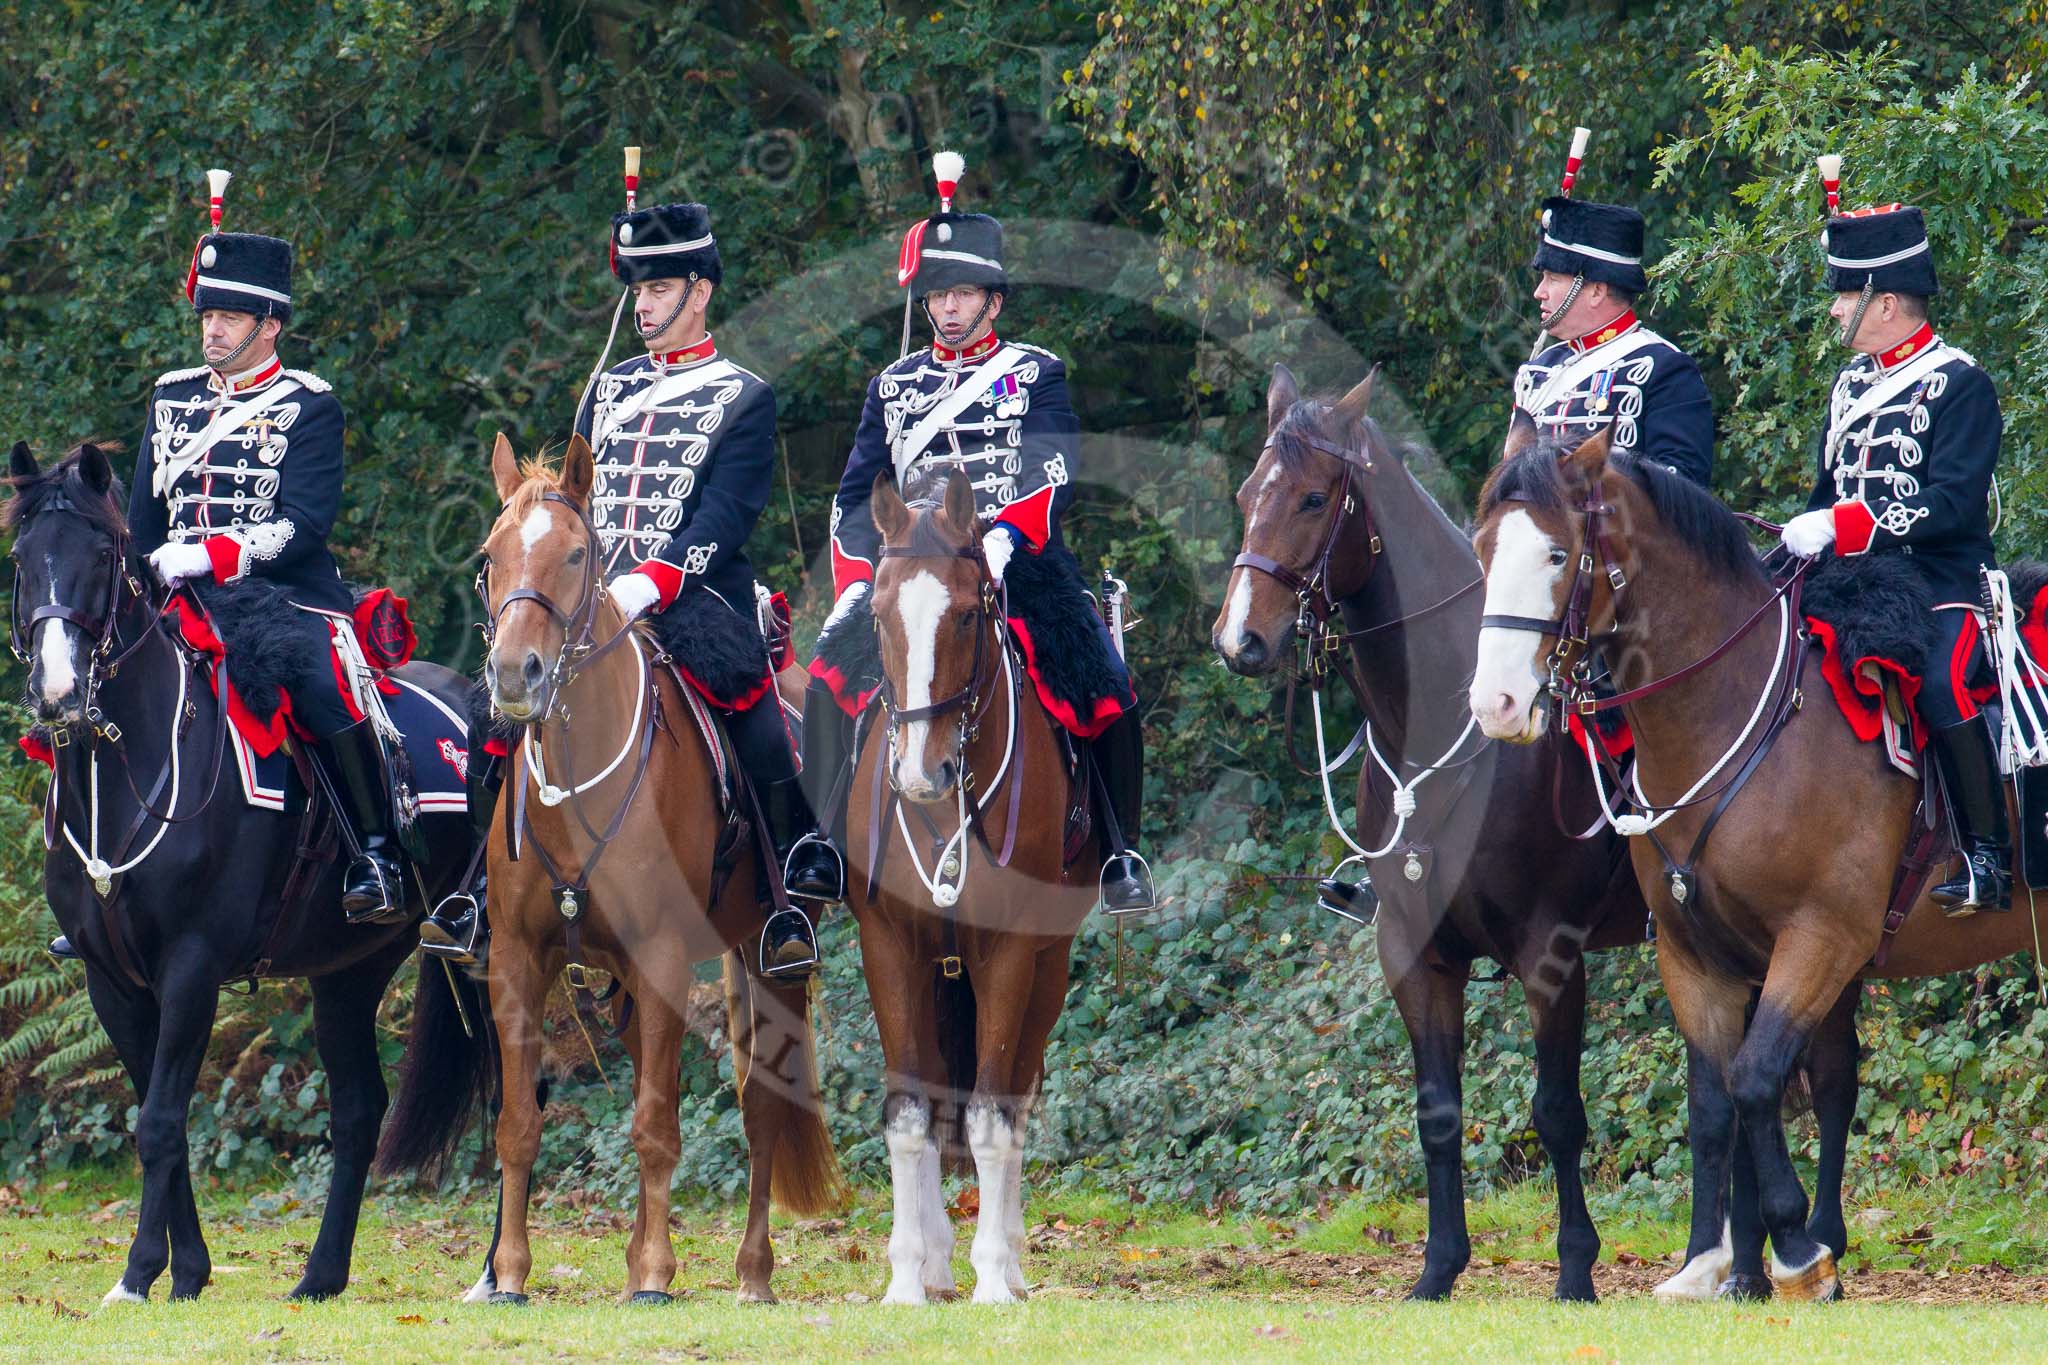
<point>1315,501</point>
<point>576,555</point>
<point>1557,558</point>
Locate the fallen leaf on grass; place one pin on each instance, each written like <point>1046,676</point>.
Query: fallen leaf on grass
<point>567,1272</point>
<point>1588,1352</point>
<point>412,1319</point>
<point>853,1251</point>
<point>968,1203</point>
<point>1627,1258</point>
<point>1272,1331</point>
<point>107,1213</point>
<point>1779,1322</point>
<point>269,1334</point>
<point>61,1309</point>
<point>818,1320</point>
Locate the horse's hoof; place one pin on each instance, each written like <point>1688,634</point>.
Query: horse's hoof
<point>1576,1292</point>
<point>121,1293</point>
<point>650,1298</point>
<point>1429,1290</point>
<point>761,1295</point>
<point>1745,1288</point>
<point>505,1298</point>
<point>941,1293</point>
<point>1814,1282</point>
<point>307,1292</point>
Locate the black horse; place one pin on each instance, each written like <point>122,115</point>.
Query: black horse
<point>205,905</point>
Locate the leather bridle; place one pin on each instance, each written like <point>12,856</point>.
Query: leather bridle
<point>578,625</point>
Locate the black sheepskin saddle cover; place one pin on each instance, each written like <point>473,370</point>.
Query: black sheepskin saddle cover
<point>718,648</point>
<point>270,643</point>
<point>1079,679</point>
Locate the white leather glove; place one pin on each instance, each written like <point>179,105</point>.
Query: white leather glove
<point>1809,533</point>
<point>634,592</point>
<point>997,547</point>
<point>175,563</point>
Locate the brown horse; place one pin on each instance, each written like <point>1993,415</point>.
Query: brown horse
<point>1786,897</point>
<point>964,932</point>
<point>621,867</point>
<point>1339,533</point>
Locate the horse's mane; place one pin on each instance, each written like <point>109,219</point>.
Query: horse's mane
<point>537,477</point>
<point>62,479</point>
<point>1694,515</point>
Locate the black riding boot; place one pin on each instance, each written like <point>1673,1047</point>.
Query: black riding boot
<point>457,929</point>
<point>60,947</point>
<point>813,867</point>
<point>789,945</point>
<point>1119,754</point>
<point>1976,793</point>
<point>371,892</point>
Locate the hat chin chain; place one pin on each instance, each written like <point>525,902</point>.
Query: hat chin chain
<point>226,362</point>
<point>1571,296</point>
<point>1855,323</point>
<point>973,325</point>
<point>684,302</point>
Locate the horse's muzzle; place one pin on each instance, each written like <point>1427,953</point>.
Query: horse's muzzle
<point>1253,658</point>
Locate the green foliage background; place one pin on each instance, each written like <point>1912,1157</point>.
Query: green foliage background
<point>1196,189</point>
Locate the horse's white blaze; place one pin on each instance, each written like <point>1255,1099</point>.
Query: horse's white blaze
<point>921,603</point>
<point>1240,608</point>
<point>56,655</point>
<point>907,1134</point>
<point>535,528</point>
<point>1521,581</point>
<point>1703,1275</point>
<point>993,1140</point>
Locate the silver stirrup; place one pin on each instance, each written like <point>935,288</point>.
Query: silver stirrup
<point>1103,870</point>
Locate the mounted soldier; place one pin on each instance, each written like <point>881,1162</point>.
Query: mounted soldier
<point>239,478</point>
<point>1000,413</point>
<point>683,442</point>
<point>1906,461</point>
<point>1604,366</point>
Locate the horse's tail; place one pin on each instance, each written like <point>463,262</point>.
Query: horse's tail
<point>954,1013</point>
<point>806,1165</point>
<point>448,1072</point>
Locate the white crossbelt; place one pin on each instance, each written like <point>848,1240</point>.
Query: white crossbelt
<point>1565,378</point>
<point>912,443</point>
<point>665,390</point>
<point>1882,392</point>
<point>169,469</point>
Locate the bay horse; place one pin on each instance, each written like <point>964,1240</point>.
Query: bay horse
<point>959,769</point>
<point>201,887</point>
<point>626,861</point>
<point>1759,946</point>
<point>1340,537</point>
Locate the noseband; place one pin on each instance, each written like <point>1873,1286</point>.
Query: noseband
<point>971,700</point>
<point>1571,628</point>
<point>1312,590</point>
<point>579,626</point>
<point>101,628</point>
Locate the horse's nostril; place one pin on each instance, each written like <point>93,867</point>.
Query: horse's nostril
<point>1253,650</point>
<point>532,671</point>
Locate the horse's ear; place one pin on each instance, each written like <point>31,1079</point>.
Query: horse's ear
<point>892,518</point>
<point>1521,434</point>
<point>22,463</point>
<point>95,468</point>
<point>1280,396</point>
<point>1351,408</point>
<point>579,469</point>
<point>959,504</point>
<point>504,468</point>
<point>1588,461</point>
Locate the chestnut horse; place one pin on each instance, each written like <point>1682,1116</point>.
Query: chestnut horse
<point>618,830</point>
<point>1339,533</point>
<point>1784,899</point>
<point>964,932</point>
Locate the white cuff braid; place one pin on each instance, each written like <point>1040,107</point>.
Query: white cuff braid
<point>1809,533</point>
<point>175,563</point>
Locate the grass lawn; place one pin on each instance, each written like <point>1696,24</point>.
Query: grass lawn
<point>1948,1273</point>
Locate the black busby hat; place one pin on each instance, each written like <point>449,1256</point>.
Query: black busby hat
<point>239,271</point>
<point>1603,242</point>
<point>949,248</point>
<point>666,242</point>
<point>1885,248</point>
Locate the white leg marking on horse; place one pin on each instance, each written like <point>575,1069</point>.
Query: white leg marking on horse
<point>1703,1275</point>
<point>991,1138</point>
<point>480,1292</point>
<point>1013,1203</point>
<point>922,603</point>
<point>938,1227</point>
<point>536,527</point>
<point>1240,608</point>
<point>1521,581</point>
<point>907,1134</point>
<point>60,675</point>
<point>121,1293</point>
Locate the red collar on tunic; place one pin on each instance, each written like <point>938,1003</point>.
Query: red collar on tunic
<point>1600,336</point>
<point>703,350</point>
<point>247,379</point>
<point>1910,347</point>
<point>979,350</point>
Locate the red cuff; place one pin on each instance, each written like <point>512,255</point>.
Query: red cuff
<point>666,577</point>
<point>1031,518</point>
<point>1854,527</point>
<point>848,570</point>
<point>226,553</point>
